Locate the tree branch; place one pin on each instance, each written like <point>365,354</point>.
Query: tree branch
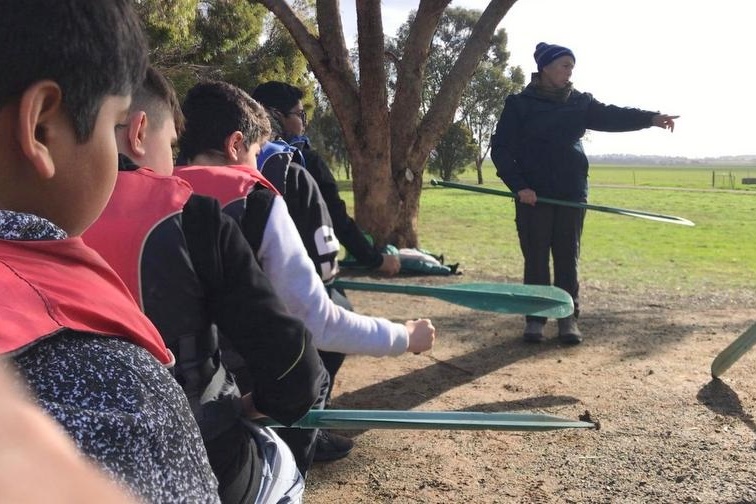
<point>332,38</point>
<point>373,94</point>
<point>306,41</point>
<point>444,105</point>
<point>332,70</point>
<point>411,68</point>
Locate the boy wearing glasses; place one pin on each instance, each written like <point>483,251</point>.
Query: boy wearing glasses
<point>284,103</point>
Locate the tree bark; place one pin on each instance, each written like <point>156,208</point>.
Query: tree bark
<point>387,149</point>
<point>376,201</point>
<point>406,172</point>
<point>479,161</point>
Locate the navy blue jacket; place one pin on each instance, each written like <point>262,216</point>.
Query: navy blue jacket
<point>537,141</point>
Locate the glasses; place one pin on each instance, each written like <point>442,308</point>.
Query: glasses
<point>300,113</point>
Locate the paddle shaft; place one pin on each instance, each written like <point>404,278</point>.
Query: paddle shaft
<point>575,204</point>
<point>430,420</point>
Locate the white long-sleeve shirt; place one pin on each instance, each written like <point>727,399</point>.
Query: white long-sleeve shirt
<point>284,259</point>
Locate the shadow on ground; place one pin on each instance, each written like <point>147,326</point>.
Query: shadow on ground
<point>419,386</point>
<point>526,404</point>
<point>500,346</point>
<point>722,400</point>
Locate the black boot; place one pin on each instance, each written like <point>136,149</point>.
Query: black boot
<point>533,331</point>
<point>569,333</point>
<point>330,446</point>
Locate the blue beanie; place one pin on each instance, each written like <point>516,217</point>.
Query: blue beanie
<point>546,53</point>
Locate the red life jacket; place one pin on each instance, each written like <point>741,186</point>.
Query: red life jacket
<point>119,236</point>
<point>227,184</point>
<point>50,285</point>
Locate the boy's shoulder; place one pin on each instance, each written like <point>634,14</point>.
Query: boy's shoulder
<point>64,284</point>
<point>103,391</point>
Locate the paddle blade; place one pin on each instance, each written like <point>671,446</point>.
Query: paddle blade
<point>539,300</point>
<point>669,219</point>
<point>733,352</point>
<point>433,420</point>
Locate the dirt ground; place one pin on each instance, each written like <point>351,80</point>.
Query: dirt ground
<point>668,432</point>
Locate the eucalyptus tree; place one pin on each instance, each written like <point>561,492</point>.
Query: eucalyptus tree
<point>482,103</point>
<point>454,152</point>
<point>388,142</point>
<point>483,97</point>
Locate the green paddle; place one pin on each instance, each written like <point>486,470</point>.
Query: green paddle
<point>671,219</point>
<point>733,352</point>
<point>427,420</point>
<point>539,300</point>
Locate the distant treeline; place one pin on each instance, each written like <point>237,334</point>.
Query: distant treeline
<point>631,159</point>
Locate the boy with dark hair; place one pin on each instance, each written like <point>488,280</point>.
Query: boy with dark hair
<point>75,336</point>
<point>194,275</point>
<point>224,131</point>
<point>284,102</point>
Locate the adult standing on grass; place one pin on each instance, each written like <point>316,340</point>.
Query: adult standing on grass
<point>537,151</point>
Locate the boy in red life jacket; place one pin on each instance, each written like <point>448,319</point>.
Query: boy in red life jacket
<point>194,274</point>
<point>223,134</point>
<point>70,328</point>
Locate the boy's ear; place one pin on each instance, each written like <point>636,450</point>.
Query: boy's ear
<point>233,145</point>
<point>137,132</point>
<point>40,119</point>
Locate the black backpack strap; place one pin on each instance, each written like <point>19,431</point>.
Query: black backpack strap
<point>259,204</point>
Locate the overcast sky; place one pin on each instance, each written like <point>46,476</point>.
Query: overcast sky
<point>686,57</point>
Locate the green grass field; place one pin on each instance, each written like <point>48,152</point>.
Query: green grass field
<point>689,177</point>
<point>478,231</point>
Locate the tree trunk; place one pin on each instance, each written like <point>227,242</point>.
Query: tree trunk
<point>376,202</point>
<point>387,150</point>
<point>479,169</point>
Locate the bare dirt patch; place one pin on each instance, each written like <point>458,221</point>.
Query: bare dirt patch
<point>668,433</point>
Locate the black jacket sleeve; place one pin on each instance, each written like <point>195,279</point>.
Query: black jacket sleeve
<point>601,117</point>
<point>277,348</point>
<point>347,230</point>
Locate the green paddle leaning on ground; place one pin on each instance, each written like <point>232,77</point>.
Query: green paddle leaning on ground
<point>733,352</point>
